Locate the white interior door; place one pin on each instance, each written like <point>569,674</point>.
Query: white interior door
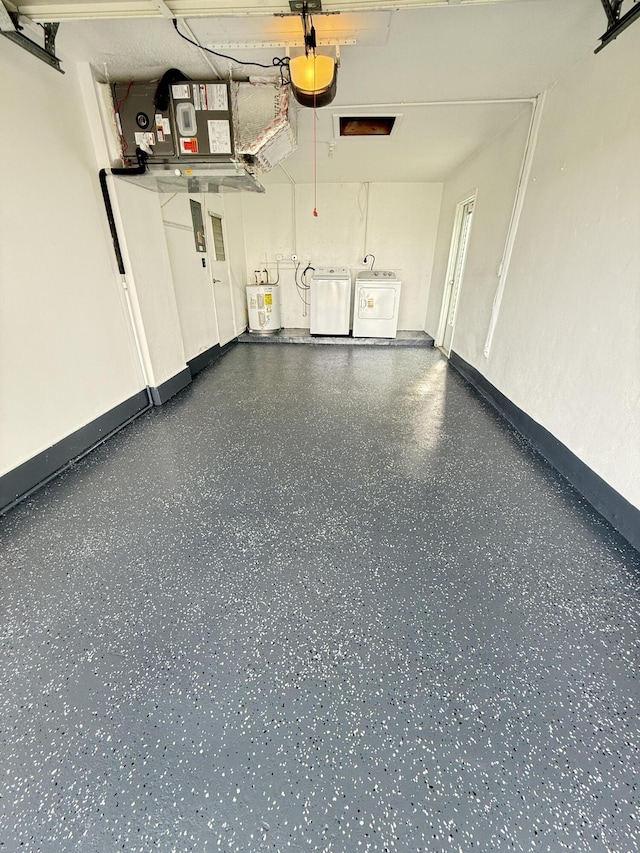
<point>192,286</point>
<point>221,278</point>
<point>455,271</point>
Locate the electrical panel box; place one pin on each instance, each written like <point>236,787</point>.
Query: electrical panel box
<point>197,127</point>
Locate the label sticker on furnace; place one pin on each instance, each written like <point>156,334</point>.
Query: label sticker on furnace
<point>219,136</point>
<point>188,146</point>
<point>181,91</point>
<point>217,96</point>
<point>147,138</point>
<point>163,128</point>
<point>210,96</point>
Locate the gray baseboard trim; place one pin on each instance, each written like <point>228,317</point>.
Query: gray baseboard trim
<point>170,388</point>
<point>17,484</point>
<point>229,345</point>
<point>204,359</point>
<point>209,357</point>
<point>35,472</point>
<point>607,501</point>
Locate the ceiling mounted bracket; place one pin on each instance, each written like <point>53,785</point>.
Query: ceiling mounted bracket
<point>302,7</point>
<point>617,22</point>
<point>305,7</point>
<point>10,28</point>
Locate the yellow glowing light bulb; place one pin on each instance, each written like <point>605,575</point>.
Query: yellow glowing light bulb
<point>312,73</point>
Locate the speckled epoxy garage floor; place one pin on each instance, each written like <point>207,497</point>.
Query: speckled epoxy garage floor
<point>324,600</point>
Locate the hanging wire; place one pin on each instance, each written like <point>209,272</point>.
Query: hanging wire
<point>116,113</point>
<point>301,284</point>
<point>280,62</point>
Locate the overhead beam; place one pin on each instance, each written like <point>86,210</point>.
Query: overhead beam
<point>10,28</point>
<point>612,10</point>
<point>7,24</point>
<point>162,7</point>
<point>617,24</point>
<point>78,10</point>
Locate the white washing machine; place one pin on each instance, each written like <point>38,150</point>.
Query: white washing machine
<point>330,301</point>
<point>376,304</point>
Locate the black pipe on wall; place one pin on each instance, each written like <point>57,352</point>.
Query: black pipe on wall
<point>140,169</point>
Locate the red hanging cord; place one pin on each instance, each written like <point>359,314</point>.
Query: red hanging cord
<point>315,142</point>
<point>315,166</point>
<point>315,158</point>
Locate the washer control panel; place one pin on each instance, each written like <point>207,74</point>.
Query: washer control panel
<point>332,272</point>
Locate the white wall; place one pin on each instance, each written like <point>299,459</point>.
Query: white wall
<point>144,248</point>
<point>269,232</point>
<point>493,174</point>
<point>395,222</point>
<point>66,352</point>
<point>402,228</point>
<point>567,342</point>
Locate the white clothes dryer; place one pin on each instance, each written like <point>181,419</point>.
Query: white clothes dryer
<point>376,304</point>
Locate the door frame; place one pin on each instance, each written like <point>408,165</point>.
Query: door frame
<point>451,267</point>
<point>217,211</point>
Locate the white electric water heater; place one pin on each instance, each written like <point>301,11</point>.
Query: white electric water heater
<point>263,307</point>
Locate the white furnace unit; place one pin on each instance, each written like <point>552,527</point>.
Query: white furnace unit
<point>376,304</point>
<point>330,301</point>
<point>263,307</point>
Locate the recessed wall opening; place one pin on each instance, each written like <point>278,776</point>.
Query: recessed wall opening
<point>366,126</point>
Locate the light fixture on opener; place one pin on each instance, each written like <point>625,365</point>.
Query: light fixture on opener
<point>313,76</point>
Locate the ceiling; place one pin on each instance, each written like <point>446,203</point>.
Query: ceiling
<point>485,59</point>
